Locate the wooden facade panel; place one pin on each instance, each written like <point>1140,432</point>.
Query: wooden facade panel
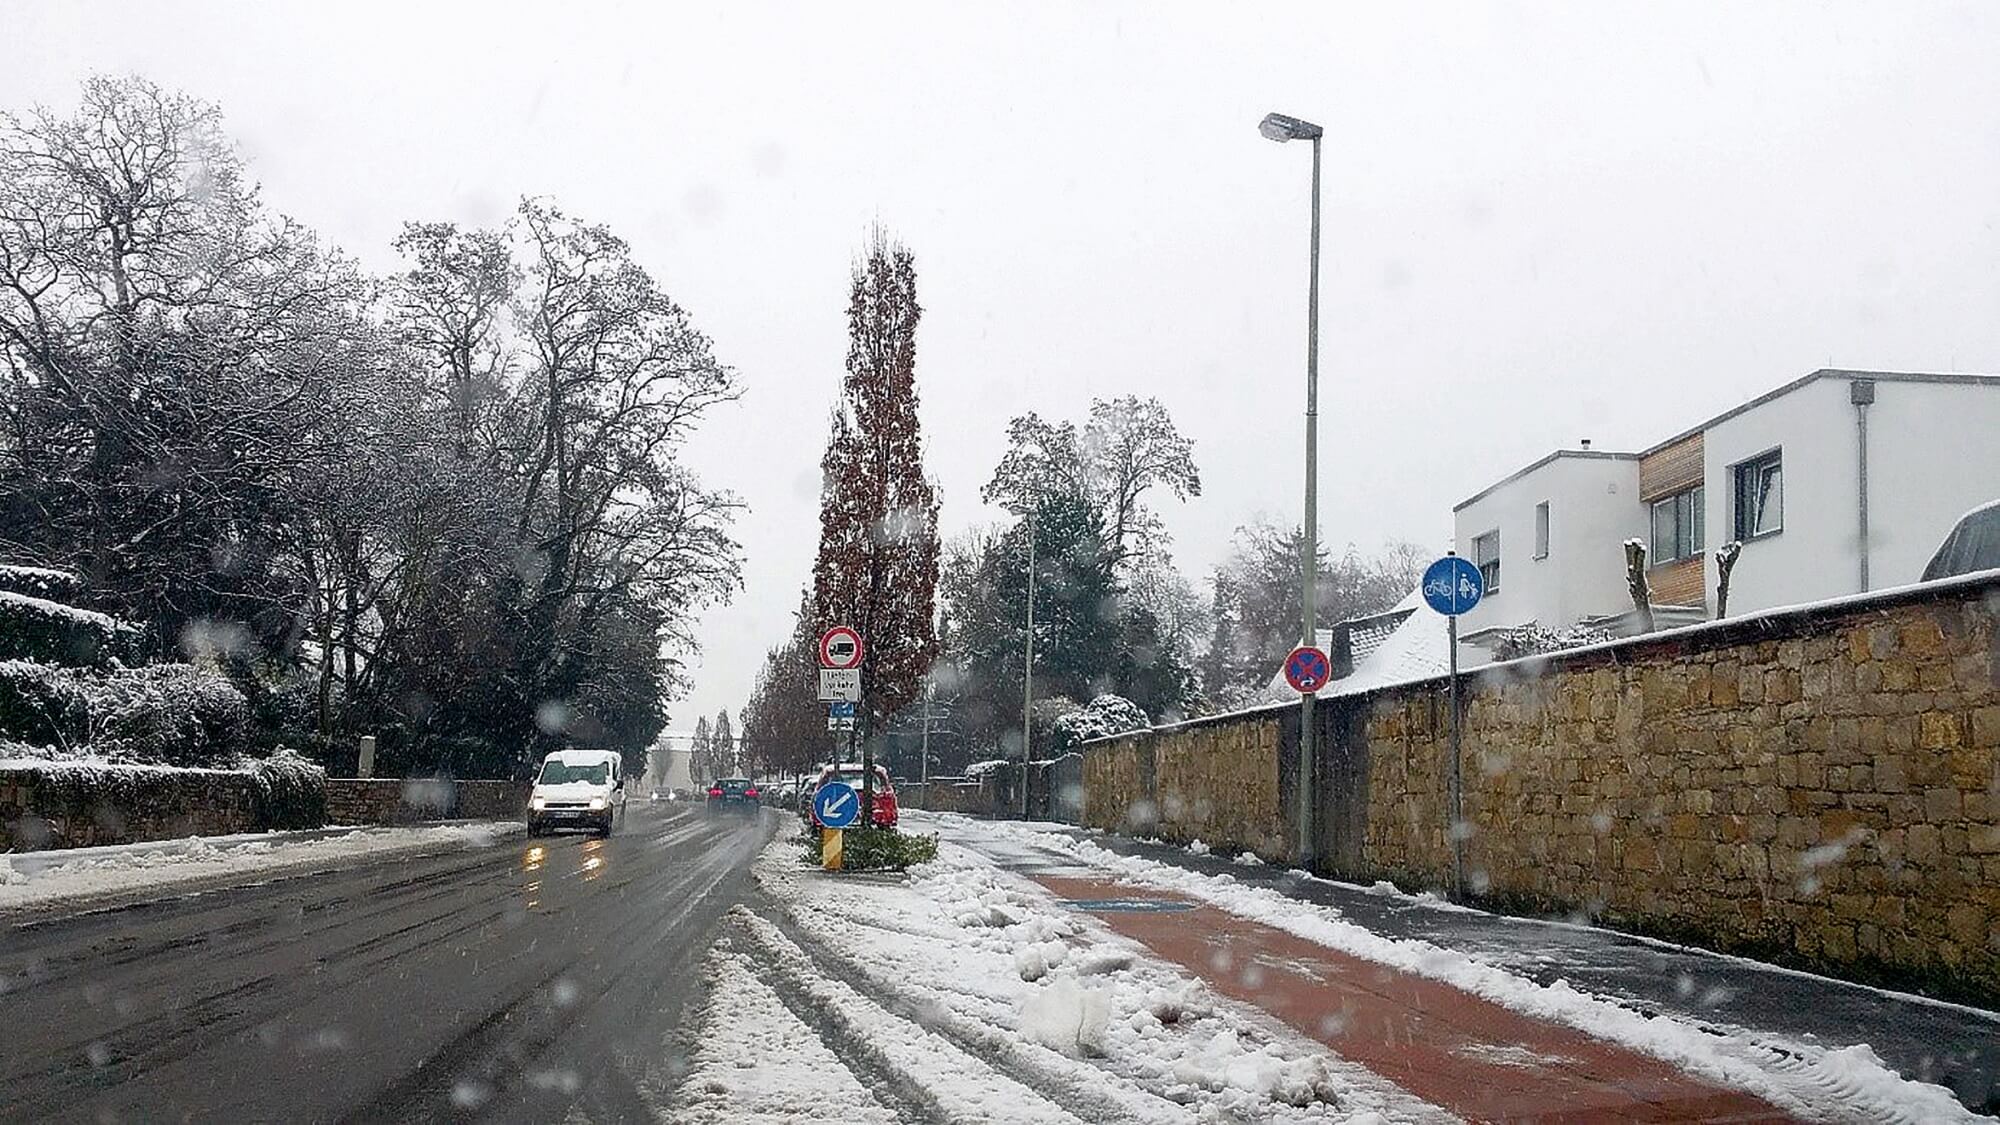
<point>1667,471</point>
<point>1677,583</point>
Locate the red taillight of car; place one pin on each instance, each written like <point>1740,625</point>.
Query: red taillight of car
<point>715,792</point>
<point>752,793</point>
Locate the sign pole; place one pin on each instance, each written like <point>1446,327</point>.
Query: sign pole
<point>829,848</point>
<point>1457,784</point>
<point>1452,586</point>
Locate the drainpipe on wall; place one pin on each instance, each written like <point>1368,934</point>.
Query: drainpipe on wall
<point>1861,392</point>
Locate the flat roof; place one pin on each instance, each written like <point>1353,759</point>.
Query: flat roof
<point>1580,454</point>
<point>1768,396</point>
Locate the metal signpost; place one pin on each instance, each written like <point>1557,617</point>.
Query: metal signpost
<point>840,653</point>
<point>1453,586</point>
<point>1307,669</point>
<point>835,805</point>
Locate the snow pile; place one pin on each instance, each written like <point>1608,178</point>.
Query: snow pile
<point>49,878</point>
<point>1803,1078</point>
<point>1226,1062</point>
<point>1068,1017</point>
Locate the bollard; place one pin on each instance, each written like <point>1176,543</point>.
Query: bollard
<point>829,848</point>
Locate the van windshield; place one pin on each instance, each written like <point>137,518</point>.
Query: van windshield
<point>558,772</point>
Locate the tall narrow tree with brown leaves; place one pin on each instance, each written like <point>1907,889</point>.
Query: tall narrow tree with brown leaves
<point>878,547</point>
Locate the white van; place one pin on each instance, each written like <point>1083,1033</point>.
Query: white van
<point>578,789</point>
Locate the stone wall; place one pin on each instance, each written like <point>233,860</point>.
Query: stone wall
<point>1820,785</point>
<point>1824,784</point>
<point>1218,780</point>
<point>93,807</point>
<point>973,797</point>
<point>388,800</point>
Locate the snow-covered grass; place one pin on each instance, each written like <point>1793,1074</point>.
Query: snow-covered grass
<point>42,880</point>
<point>987,987</point>
<point>1846,1084</point>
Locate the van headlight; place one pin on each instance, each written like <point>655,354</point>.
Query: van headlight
<point>596,803</point>
<point>538,802</point>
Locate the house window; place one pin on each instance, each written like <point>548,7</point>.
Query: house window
<point>1486,556</point>
<point>1542,530</point>
<point>1760,495</point>
<point>1677,526</point>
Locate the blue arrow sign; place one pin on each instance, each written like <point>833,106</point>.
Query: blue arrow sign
<point>840,709</point>
<point>836,805</point>
<point>1453,586</point>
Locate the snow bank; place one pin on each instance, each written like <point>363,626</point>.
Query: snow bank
<point>40,879</point>
<point>1812,1080</point>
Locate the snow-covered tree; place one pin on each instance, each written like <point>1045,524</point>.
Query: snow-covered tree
<point>1128,447</point>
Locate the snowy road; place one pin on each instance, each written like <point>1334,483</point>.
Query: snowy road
<point>525,980</point>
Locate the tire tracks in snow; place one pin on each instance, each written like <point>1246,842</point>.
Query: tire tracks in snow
<point>908,1062</point>
<point>1079,1085</point>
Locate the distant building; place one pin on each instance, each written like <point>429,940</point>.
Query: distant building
<point>1789,474</point>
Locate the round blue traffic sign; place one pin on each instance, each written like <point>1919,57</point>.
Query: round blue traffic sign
<point>836,805</point>
<point>1453,586</point>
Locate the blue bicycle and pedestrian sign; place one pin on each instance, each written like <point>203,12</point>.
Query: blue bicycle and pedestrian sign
<point>1453,586</point>
<point>836,805</point>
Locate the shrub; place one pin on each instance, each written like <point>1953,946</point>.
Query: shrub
<point>168,714</point>
<point>40,582</point>
<point>37,629</point>
<point>1100,718</point>
<point>42,705</point>
<point>291,791</point>
<point>874,849</point>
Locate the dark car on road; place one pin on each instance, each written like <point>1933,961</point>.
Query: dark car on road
<point>733,794</point>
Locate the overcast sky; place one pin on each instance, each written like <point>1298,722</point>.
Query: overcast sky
<point>1543,222</point>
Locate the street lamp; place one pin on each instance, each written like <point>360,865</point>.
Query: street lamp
<point>1278,127</point>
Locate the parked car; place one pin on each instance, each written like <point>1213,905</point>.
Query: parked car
<point>850,773</point>
<point>1973,544</point>
<point>578,789</point>
<point>733,794</point>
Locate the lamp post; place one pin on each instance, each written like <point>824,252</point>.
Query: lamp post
<point>1279,127</point>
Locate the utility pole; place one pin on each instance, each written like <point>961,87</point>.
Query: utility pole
<point>1028,676</point>
<point>924,752</point>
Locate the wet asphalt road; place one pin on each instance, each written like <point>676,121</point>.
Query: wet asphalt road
<point>523,981</point>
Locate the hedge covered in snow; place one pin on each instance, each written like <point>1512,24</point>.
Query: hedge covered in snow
<point>33,628</point>
<point>1100,718</point>
<point>67,804</point>
<point>40,582</point>
<point>160,714</point>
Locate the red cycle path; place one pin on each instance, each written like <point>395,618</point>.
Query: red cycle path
<point>1447,1046</point>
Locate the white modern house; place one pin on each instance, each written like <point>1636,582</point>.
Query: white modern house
<point>1836,483</point>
